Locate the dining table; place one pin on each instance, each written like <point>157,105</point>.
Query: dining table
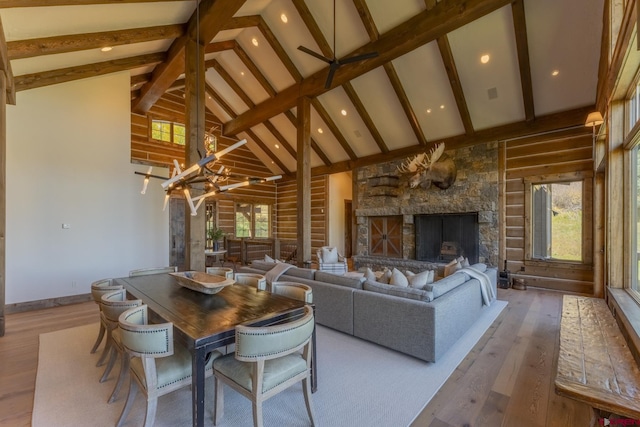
<point>205,322</point>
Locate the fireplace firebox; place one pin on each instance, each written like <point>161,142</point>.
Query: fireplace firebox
<point>443,237</point>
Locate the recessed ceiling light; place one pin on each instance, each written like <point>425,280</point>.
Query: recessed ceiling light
<point>254,41</point>
<point>555,73</point>
<point>343,112</point>
<point>442,107</point>
<point>106,49</point>
<point>484,58</point>
<point>320,130</point>
<point>428,110</point>
<point>284,18</point>
<point>277,146</point>
<point>242,73</point>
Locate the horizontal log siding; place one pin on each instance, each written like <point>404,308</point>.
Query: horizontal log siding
<point>550,154</point>
<point>287,211</point>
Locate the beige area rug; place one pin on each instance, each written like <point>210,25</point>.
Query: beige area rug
<point>360,384</point>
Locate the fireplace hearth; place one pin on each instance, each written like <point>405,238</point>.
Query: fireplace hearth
<point>444,237</point>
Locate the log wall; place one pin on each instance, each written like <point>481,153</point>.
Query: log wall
<point>564,152</point>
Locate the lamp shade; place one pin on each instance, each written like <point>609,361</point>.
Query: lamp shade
<point>594,119</point>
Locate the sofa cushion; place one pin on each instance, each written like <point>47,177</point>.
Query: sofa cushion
<point>350,282</point>
<point>398,279</point>
<point>382,288</point>
<point>443,286</point>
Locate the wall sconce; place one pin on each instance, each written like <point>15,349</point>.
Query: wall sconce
<point>594,119</point>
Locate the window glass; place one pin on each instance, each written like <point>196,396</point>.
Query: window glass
<point>261,214</point>
<point>178,134</point>
<point>556,218</point>
<point>243,220</point>
<point>162,130</point>
<point>635,215</point>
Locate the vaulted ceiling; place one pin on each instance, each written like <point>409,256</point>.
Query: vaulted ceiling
<point>428,83</point>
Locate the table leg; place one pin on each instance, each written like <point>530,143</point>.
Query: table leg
<point>197,388</point>
<point>314,364</point>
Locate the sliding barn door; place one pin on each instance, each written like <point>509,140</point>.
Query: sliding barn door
<point>386,236</point>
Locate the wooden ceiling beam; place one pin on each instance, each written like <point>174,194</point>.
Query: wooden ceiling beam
<point>522,47</point>
<point>422,28</point>
<point>313,28</point>
<point>314,144</point>
<point>62,75</point>
<point>326,118</point>
<point>542,124</point>
<point>454,81</point>
<point>4,4</point>
<point>366,118</point>
<point>208,19</point>
<point>220,46</point>
<point>30,48</point>
<point>260,143</point>
<point>281,139</point>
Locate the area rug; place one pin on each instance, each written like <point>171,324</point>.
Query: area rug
<point>360,384</point>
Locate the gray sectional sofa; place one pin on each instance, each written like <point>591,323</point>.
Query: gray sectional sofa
<point>420,323</point>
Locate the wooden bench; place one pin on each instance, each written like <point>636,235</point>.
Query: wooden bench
<point>595,364</point>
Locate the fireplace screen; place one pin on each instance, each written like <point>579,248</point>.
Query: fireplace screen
<point>441,238</point>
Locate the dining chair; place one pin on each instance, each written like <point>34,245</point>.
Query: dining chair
<point>252,279</point>
<point>220,271</point>
<point>158,365</point>
<point>113,305</point>
<point>294,290</point>
<point>153,270</point>
<point>99,288</point>
<point>266,361</point>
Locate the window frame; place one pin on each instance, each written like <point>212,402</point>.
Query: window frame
<point>252,222</point>
<point>173,123</point>
<point>586,177</point>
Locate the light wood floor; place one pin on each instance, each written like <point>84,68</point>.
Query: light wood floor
<point>506,380</point>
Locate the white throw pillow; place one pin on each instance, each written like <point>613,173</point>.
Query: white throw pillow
<point>398,279</point>
<point>330,255</point>
<point>370,275</point>
<point>465,263</point>
<point>267,258</point>
<point>419,280</point>
<point>384,276</point>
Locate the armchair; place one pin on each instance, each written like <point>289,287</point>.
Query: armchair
<point>331,261</point>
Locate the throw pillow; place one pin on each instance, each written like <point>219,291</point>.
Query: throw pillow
<point>370,275</point>
<point>330,255</point>
<point>465,263</point>
<point>451,268</point>
<point>398,279</point>
<point>419,280</point>
<point>385,276</point>
<point>267,258</point>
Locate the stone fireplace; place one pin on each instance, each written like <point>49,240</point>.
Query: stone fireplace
<point>469,205</point>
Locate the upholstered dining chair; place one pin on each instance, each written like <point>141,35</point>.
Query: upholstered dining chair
<point>158,365</point>
<point>220,271</point>
<point>113,305</point>
<point>252,279</point>
<point>294,290</point>
<point>99,288</point>
<point>266,361</point>
<point>153,270</point>
<point>331,261</point>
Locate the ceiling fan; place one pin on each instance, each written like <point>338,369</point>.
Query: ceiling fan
<point>335,63</point>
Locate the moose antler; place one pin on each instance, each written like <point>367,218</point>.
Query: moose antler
<point>412,165</point>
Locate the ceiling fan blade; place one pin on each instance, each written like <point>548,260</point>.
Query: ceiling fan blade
<point>359,58</point>
<point>314,54</point>
<point>332,70</point>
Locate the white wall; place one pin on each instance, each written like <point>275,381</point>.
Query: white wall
<point>340,189</point>
<point>68,161</point>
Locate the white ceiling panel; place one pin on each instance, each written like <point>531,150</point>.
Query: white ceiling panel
<point>325,139</point>
<point>72,59</point>
<point>264,157</point>
<point>270,141</point>
<point>351,126</point>
<point>216,109</point>
<point>390,14</point>
<point>265,59</point>
<point>241,74</point>
<point>562,36</point>
<point>23,23</point>
<point>224,90</point>
<point>494,35</point>
<point>380,100</point>
<point>426,84</point>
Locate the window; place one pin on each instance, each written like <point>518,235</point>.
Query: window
<point>166,131</point>
<point>556,221</point>
<point>253,220</point>
<point>556,207</point>
<point>635,219</point>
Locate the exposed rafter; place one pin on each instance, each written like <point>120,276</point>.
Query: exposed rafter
<point>413,33</point>
<point>454,81</point>
<point>522,46</point>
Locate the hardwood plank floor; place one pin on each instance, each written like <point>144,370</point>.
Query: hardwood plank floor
<point>506,380</point>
